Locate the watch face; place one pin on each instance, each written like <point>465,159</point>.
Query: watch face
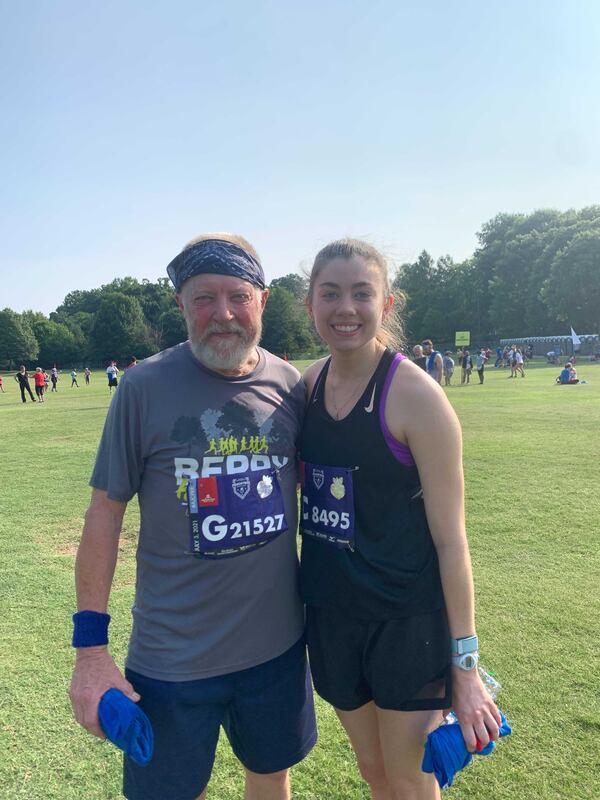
<point>469,661</point>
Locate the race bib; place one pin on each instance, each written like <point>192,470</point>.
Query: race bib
<point>327,511</point>
<point>233,514</point>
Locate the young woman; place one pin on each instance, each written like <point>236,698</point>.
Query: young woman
<point>386,574</point>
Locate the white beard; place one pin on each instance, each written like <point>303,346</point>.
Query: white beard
<point>226,357</point>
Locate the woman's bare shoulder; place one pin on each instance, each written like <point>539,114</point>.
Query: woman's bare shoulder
<point>415,400</point>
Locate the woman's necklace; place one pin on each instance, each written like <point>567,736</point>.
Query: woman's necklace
<point>356,392</point>
<point>354,395</point>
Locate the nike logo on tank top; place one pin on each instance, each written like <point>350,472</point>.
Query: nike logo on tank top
<point>369,408</point>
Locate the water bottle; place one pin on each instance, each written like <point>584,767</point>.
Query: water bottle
<point>492,685</point>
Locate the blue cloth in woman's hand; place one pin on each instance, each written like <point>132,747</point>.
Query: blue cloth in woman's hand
<point>446,752</point>
<point>126,726</point>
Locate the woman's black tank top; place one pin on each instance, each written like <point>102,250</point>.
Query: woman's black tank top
<point>393,570</point>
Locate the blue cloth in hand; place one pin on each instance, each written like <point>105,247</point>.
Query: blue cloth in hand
<point>446,752</point>
<point>126,726</point>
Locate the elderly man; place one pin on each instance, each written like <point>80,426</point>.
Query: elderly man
<point>204,433</point>
<point>419,359</point>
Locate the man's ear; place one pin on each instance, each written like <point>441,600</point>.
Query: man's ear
<point>263,298</point>
<point>179,301</point>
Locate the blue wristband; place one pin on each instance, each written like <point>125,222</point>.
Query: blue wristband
<point>90,628</point>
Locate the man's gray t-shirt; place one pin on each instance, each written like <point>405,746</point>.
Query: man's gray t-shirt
<point>172,420</point>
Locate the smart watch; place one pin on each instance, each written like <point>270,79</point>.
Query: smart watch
<point>466,661</point>
<point>468,644</point>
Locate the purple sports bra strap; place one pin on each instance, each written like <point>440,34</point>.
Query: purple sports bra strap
<point>399,450</point>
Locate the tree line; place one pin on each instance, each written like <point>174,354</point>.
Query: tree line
<point>128,318</point>
<point>531,275</point>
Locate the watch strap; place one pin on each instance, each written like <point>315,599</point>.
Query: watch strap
<point>467,644</point>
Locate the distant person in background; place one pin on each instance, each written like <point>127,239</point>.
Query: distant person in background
<point>112,372</point>
<point>74,379</point>
<point>132,363</point>
<point>466,367</point>
<point>519,362</point>
<point>568,375</point>
<point>87,374</point>
<point>46,380</point>
<point>419,359</point>
<point>448,368</point>
<point>22,378</point>
<point>512,362</point>
<point>434,360</point>
<point>480,364</point>
<point>2,384</point>
<point>498,357</point>
<point>54,378</point>
<point>38,379</point>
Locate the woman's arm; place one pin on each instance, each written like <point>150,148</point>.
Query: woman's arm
<point>418,413</point>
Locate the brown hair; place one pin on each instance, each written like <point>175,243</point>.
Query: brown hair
<point>234,238</point>
<point>391,330</point>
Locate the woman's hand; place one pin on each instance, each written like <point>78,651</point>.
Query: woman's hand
<point>477,713</point>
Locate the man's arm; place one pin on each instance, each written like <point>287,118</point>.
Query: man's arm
<point>439,365</point>
<point>95,671</point>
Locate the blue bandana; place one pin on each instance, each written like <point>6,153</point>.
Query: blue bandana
<point>218,257</point>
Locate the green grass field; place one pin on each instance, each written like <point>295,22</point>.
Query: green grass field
<point>532,451</point>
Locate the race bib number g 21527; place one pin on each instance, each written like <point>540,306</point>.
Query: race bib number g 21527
<point>233,514</point>
<point>327,506</point>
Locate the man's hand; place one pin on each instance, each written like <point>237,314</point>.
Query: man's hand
<point>95,673</point>
<point>476,711</point>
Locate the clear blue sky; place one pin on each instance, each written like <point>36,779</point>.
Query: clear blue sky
<point>129,127</point>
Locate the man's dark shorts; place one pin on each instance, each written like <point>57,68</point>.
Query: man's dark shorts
<point>267,712</point>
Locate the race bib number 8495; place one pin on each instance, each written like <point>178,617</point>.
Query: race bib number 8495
<point>327,511</point>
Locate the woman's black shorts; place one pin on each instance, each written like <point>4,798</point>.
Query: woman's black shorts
<point>399,664</point>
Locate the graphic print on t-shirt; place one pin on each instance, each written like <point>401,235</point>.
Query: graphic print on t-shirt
<point>235,446</point>
<point>233,440</point>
